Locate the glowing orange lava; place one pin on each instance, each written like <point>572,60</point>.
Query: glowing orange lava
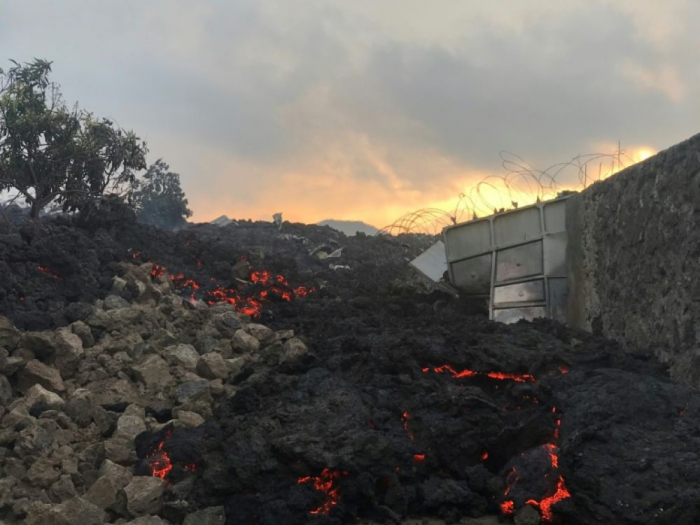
<point>160,462</point>
<point>560,492</point>
<point>508,505</point>
<point>161,465</point>
<point>545,506</point>
<point>404,419</point>
<point>248,301</point>
<point>158,271</point>
<point>502,376</point>
<point>418,458</point>
<point>326,483</point>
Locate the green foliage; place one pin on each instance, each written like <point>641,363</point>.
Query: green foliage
<point>159,199</point>
<point>49,152</point>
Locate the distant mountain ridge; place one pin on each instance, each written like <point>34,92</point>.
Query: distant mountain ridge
<point>350,227</point>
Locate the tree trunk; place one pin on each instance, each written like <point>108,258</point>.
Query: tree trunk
<point>36,208</point>
<point>4,216</point>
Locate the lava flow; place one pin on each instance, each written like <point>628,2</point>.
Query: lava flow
<point>160,462</point>
<point>326,483</point>
<point>503,376</point>
<point>508,505</point>
<point>265,285</point>
<point>560,492</point>
<point>404,419</point>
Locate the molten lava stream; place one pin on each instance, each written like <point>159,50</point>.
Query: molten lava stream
<point>560,492</point>
<point>326,483</point>
<point>508,505</point>
<point>252,305</point>
<point>160,462</point>
<point>161,465</point>
<point>501,376</point>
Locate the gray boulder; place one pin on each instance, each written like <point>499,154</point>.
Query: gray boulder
<point>144,495</point>
<point>153,371</point>
<point>75,511</point>
<point>182,355</point>
<point>9,335</point>
<point>212,366</point>
<point>244,342</point>
<point>68,352</point>
<point>38,397</point>
<point>108,491</point>
<point>36,372</point>
<point>210,516</point>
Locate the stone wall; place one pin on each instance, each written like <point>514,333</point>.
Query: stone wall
<point>634,258</point>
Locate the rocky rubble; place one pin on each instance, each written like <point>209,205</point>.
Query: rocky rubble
<point>74,400</point>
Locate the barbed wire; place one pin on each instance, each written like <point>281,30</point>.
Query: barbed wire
<point>521,185</point>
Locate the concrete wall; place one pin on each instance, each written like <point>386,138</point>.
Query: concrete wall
<point>634,258</point>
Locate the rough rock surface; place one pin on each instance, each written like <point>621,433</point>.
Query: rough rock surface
<point>635,258</point>
<point>343,388</point>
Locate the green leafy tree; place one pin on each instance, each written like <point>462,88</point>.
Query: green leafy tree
<point>159,199</point>
<point>107,160</point>
<point>49,152</point>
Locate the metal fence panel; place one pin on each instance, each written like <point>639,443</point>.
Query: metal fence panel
<point>517,226</point>
<point>473,276</point>
<point>555,255</point>
<point>527,292</point>
<point>516,258</point>
<point>519,262</point>
<point>461,243</point>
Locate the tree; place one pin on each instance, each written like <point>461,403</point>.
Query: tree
<point>107,159</point>
<point>49,152</point>
<point>159,199</point>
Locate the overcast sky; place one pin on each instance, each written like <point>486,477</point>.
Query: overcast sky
<point>366,109</point>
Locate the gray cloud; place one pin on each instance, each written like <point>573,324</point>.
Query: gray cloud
<point>237,95</point>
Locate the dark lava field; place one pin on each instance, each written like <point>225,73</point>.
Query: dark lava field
<point>410,403</point>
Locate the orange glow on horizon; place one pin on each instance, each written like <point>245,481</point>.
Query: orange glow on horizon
<point>333,192</point>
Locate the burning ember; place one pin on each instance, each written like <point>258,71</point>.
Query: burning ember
<point>48,271</point>
<point>326,483</point>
